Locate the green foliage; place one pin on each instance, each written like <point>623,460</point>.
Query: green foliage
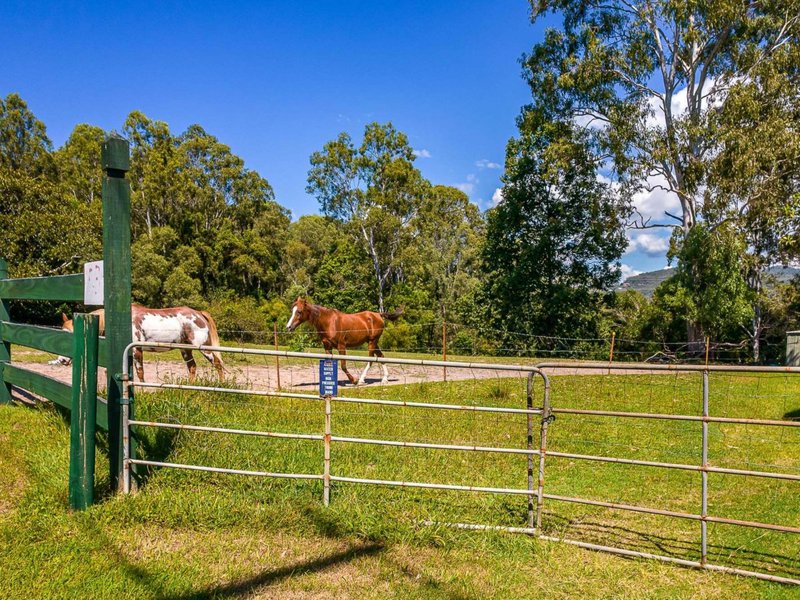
<point>708,289</point>
<point>710,282</point>
<point>24,145</point>
<point>78,162</point>
<point>44,230</point>
<point>700,99</point>
<point>553,244</point>
<point>180,289</point>
<point>375,191</point>
<point>247,319</point>
<point>400,336</point>
<point>617,68</point>
<point>223,227</point>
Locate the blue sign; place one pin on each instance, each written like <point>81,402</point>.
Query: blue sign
<point>328,377</point>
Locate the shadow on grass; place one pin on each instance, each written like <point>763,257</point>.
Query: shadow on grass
<point>247,587</point>
<point>244,587</point>
<point>792,415</point>
<point>156,445</point>
<point>643,541</point>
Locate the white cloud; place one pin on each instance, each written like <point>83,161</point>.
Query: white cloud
<point>469,185</point>
<point>589,122</point>
<point>497,197</point>
<point>422,153</point>
<point>649,243</point>
<point>714,93</point>
<point>628,271</point>
<point>654,202</point>
<point>487,164</point>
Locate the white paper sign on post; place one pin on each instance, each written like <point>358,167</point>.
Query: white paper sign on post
<point>93,283</point>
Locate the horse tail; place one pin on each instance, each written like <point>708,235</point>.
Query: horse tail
<point>213,337</point>
<point>393,316</point>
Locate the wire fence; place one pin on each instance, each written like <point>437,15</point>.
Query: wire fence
<point>441,338</point>
<point>639,458</point>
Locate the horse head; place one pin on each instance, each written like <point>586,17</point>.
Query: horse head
<point>301,312</point>
<point>66,323</point>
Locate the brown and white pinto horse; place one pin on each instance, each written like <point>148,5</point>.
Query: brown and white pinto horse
<point>344,330</point>
<point>179,325</point>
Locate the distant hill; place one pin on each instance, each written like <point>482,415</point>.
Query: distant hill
<point>646,283</point>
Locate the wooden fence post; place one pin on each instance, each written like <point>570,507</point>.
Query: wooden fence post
<point>277,359</point>
<point>117,279</point>
<point>611,351</point>
<point>83,414</point>
<point>444,348</point>
<point>5,347</point>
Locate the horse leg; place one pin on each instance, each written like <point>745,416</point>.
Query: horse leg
<point>379,354</point>
<point>372,347</point>
<point>138,363</point>
<point>188,358</point>
<point>343,352</point>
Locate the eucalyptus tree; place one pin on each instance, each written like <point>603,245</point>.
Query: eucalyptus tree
<point>78,162</point>
<point>642,77</point>
<point>229,231</point>
<point>445,259</point>
<point>24,145</point>
<point>376,191</point>
<point>658,86</point>
<point>754,178</point>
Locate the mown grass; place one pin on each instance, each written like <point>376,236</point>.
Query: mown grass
<point>189,534</point>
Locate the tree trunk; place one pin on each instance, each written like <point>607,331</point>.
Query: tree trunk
<point>376,265</point>
<point>754,281</point>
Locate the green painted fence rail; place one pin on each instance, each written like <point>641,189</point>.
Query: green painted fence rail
<point>84,346</point>
<point>47,339</point>
<point>59,288</point>
<point>5,347</point>
<point>52,389</point>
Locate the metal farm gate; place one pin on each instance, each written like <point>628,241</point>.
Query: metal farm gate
<point>538,417</point>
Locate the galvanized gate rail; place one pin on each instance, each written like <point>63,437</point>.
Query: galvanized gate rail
<point>704,468</point>
<point>535,488</point>
<point>533,493</point>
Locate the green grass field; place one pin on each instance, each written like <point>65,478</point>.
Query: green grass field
<point>190,534</point>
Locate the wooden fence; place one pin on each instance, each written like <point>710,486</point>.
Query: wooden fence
<point>84,346</point>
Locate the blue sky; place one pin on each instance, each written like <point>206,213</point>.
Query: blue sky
<point>276,80</point>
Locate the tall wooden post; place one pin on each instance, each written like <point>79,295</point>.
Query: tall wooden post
<point>5,347</point>
<point>444,348</point>
<point>277,359</point>
<point>83,414</point>
<point>117,280</point>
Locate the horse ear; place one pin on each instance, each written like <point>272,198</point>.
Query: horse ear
<point>64,318</point>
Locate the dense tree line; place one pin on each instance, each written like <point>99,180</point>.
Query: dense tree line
<point>535,274</point>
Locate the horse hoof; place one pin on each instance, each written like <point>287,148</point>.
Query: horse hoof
<point>384,381</point>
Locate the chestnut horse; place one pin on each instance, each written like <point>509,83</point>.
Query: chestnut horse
<point>179,325</point>
<point>344,330</point>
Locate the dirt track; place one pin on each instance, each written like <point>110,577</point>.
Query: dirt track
<point>306,377</point>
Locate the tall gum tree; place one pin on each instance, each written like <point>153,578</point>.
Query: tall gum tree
<point>375,190</point>
<point>754,179</point>
<point>645,80</point>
